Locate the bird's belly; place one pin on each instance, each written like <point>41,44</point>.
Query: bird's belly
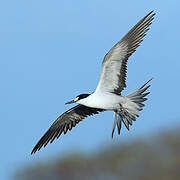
<point>106,101</point>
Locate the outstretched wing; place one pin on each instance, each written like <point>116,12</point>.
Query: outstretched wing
<point>65,122</point>
<point>114,65</point>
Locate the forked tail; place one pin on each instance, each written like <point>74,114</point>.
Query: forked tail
<point>133,103</point>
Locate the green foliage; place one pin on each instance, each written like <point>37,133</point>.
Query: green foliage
<point>154,158</point>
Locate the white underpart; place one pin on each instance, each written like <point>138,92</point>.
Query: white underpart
<point>108,101</point>
<point>111,101</point>
<point>126,108</point>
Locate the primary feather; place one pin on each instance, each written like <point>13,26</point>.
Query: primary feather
<point>65,122</point>
<point>114,65</point>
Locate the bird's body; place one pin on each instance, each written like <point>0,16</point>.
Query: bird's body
<point>107,95</point>
<point>102,100</point>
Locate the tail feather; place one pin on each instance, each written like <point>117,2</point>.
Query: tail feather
<point>130,108</point>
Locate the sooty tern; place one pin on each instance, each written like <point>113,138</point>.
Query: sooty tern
<point>107,95</point>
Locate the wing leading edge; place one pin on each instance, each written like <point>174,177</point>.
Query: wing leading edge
<point>114,65</point>
<point>65,122</point>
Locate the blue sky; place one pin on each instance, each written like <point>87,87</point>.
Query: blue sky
<point>50,51</point>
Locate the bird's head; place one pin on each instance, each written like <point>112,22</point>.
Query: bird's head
<point>79,97</point>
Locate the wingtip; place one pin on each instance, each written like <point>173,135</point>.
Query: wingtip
<point>33,152</point>
<point>150,15</point>
<point>151,12</point>
<point>112,135</point>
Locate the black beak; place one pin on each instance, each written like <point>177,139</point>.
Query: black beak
<point>70,102</point>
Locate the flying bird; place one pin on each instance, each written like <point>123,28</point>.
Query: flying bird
<point>107,95</point>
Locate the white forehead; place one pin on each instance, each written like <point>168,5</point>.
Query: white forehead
<point>76,99</point>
